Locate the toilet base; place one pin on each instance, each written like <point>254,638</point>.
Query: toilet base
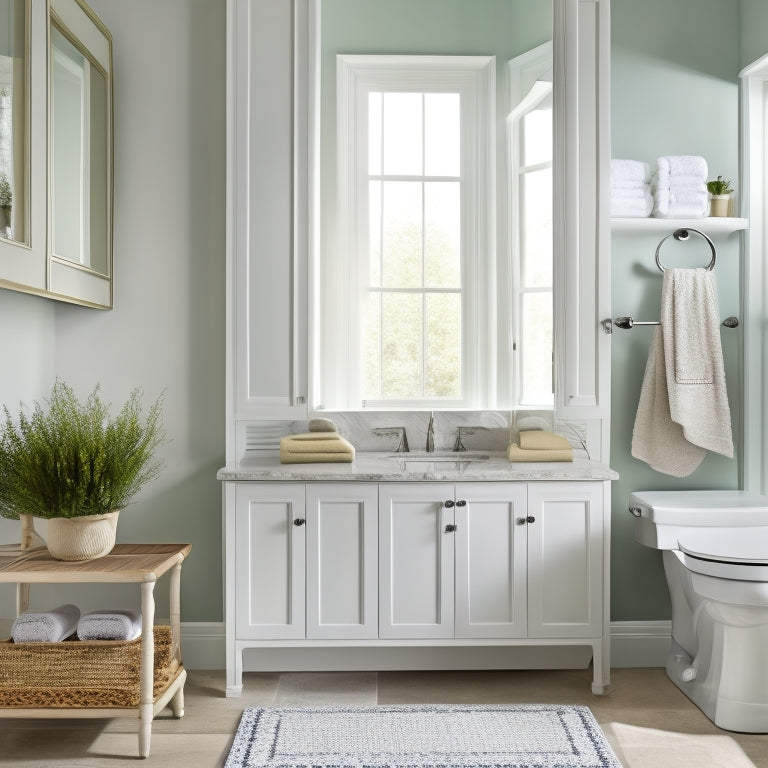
<point>725,712</point>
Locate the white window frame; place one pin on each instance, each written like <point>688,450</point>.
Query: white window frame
<point>529,77</point>
<point>474,77</point>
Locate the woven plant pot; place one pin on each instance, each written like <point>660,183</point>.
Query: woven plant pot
<point>82,538</point>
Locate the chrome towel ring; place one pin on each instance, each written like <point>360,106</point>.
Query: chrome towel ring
<point>684,234</point>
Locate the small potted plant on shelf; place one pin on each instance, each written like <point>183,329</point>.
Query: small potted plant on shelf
<point>720,190</point>
<point>76,467</point>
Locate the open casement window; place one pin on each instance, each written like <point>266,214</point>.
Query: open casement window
<point>529,132</point>
<point>416,181</point>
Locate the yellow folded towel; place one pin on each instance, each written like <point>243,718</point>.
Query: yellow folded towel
<point>516,453</point>
<point>316,448</point>
<point>538,440</point>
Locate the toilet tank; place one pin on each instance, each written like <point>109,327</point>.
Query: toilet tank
<point>716,525</point>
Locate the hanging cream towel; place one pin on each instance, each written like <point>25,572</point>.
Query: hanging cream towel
<point>683,410</point>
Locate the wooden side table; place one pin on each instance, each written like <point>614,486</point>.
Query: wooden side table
<point>143,564</point>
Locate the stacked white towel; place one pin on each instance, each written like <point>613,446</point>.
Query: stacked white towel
<point>46,627</point>
<point>681,187</point>
<point>110,625</point>
<point>631,189</point>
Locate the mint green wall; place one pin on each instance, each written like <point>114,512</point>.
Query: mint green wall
<point>669,95</point>
<point>754,30</point>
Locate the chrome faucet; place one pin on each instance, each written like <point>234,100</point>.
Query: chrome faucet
<point>402,445</point>
<point>431,433</point>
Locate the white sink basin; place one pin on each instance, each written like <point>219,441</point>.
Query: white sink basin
<point>439,456</point>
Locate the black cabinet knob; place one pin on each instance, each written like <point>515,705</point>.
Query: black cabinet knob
<point>450,528</point>
<point>461,503</point>
<point>299,521</point>
<point>531,519</point>
<point>448,503</point>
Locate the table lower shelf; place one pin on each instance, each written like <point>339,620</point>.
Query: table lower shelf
<point>172,693</point>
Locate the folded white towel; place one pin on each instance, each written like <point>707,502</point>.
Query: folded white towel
<point>672,167</point>
<point>633,193</point>
<point>681,183</point>
<point>47,626</point>
<point>629,172</point>
<point>691,204</point>
<point>110,625</point>
<point>632,207</point>
<point>683,409</point>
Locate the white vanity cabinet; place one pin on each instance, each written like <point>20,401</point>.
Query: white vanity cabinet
<point>453,560</point>
<point>348,564</point>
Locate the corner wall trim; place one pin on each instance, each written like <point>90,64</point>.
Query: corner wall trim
<point>633,644</point>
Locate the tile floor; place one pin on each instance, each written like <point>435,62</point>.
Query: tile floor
<point>201,739</point>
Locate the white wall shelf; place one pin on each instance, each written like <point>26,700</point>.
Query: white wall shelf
<point>710,225</point>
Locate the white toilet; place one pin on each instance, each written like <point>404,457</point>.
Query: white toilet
<point>716,561</point>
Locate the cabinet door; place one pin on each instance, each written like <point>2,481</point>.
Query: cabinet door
<point>269,552</point>
<point>490,560</point>
<point>565,559</point>
<point>342,560</point>
<point>415,560</point>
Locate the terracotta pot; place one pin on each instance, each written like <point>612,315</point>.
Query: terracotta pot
<point>82,538</point>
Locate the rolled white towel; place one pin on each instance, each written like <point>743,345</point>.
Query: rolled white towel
<point>672,167</point>
<point>628,173</point>
<point>47,626</point>
<point>110,624</point>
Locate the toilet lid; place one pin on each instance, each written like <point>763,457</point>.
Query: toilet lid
<point>726,545</point>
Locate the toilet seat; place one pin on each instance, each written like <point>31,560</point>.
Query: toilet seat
<point>743,570</point>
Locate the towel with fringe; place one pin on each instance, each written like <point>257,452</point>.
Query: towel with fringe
<point>46,626</point>
<point>110,624</point>
<point>683,410</point>
<point>316,448</point>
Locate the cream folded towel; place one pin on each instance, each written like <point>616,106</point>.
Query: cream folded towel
<point>538,439</point>
<point>110,625</point>
<point>46,627</point>
<point>518,454</point>
<point>683,410</point>
<point>315,448</point>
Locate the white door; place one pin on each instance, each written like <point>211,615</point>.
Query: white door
<point>490,560</point>
<point>565,559</point>
<point>269,582</point>
<point>342,560</point>
<point>416,544</point>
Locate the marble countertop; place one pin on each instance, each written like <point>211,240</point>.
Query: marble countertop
<point>417,466</point>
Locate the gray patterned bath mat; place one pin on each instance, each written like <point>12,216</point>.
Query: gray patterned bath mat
<point>513,736</point>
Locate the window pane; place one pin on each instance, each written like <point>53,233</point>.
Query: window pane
<point>537,134</point>
<point>402,134</point>
<point>442,134</point>
<point>402,345</point>
<point>443,354</point>
<point>372,347</point>
<point>402,234</point>
<point>13,103</point>
<point>537,349</point>
<point>374,133</point>
<point>536,236</point>
<point>374,233</point>
<point>442,236</point>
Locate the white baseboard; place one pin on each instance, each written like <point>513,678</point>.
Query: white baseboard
<point>633,644</point>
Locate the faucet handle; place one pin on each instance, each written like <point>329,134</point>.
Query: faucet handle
<point>402,445</point>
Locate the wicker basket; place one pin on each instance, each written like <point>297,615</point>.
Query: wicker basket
<point>77,673</point>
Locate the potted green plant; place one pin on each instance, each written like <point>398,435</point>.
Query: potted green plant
<point>720,191</point>
<point>77,467</point>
